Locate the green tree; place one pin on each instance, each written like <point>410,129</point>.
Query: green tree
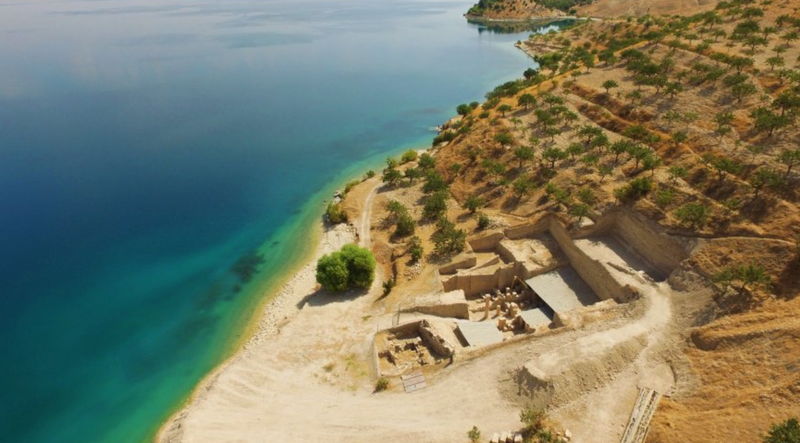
<point>335,213</point>
<point>483,221</point>
<point>474,434</point>
<point>473,203</point>
<point>694,214</point>
<point>664,198</point>
<point>494,168</point>
<point>785,432</point>
<point>532,420</point>
<point>767,121</point>
<point>408,156</point>
<point>434,182</point>
<point>332,272</point>
<point>790,158</point>
<point>504,138</point>
<point>405,225</point>
<point>504,108</point>
<point>447,238</point>
<point>579,211</point>
<point>634,190</point>
<point>526,100</point>
<point>360,266</point>
<point>463,109</point>
<point>521,187</point>
<point>553,155</point>
<point>426,161</point>
<point>765,177</point>
<point>609,84</point>
<point>415,249</point>
<point>435,205</point>
<point>677,173</point>
<point>524,154</point>
<point>391,176</point>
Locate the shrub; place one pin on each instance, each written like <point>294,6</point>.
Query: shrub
<point>635,189</point>
<point>382,384</point>
<point>350,185</point>
<point>405,225</point>
<point>483,221</point>
<point>408,156</point>
<point>533,419</point>
<point>370,173</point>
<point>395,210</point>
<point>786,432</point>
<point>332,272</point>
<point>335,213</point>
<point>693,214</point>
<point>474,434</point>
<point>351,267</point>
<point>473,203</point>
<point>426,161</point>
<point>447,239</point>
<point>388,285</point>
<point>434,183</point>
<point>415,249</point>
<point>435,205</point>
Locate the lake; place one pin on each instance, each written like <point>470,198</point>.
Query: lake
<point>145,146</point>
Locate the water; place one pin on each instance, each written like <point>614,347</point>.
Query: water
<point>146,145</point>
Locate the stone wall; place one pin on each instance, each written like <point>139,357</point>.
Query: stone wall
<point>643,237</point>
<point>590,270</point>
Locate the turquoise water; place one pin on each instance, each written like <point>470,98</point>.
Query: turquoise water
<point>146,145</point>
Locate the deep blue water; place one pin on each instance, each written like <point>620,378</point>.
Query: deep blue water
<point>145,145</point>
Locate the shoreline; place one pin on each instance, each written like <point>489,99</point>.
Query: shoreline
<point>268,292</point>
<point>249,333</point>
<point>275,310</point>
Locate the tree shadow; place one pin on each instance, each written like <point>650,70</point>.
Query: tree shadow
<point>322,297</point>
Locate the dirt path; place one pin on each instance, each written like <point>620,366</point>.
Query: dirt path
<point>364,226</point>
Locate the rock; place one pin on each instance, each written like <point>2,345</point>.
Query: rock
<point>517,438</point>
<point>567,435</point>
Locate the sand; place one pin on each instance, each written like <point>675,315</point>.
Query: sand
<point>307,375</point>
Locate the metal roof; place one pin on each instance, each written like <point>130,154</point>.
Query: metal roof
<point>535,317</point>
<point>480,333</point>
<point>563,289</point>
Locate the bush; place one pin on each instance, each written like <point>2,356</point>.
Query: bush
<point>382,384</point>
<point>408,156</point>
<point>415,249</point>
<point>426,161</point>
<point>434,183</point>
<point>483,221</point>
<point>693,214</point>
<point>388,285</point>
<point>533,419</point>
<point>350,185</point>
<point>474,434</point>
<point>370,173</point>
<point>435,205</point>
<point>335,213</point>
<point>786,432</point>
<point>332,272</point>
<point>473,203</point>
<point>635,189</point>
<point>405,225</point>
<point>447,239</point>
<point>351,267</point>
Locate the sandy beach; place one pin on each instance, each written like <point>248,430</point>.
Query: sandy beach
<point>307,374</point>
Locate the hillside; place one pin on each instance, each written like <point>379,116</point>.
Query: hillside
<point>690,123</point>
<point>532,9</point>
